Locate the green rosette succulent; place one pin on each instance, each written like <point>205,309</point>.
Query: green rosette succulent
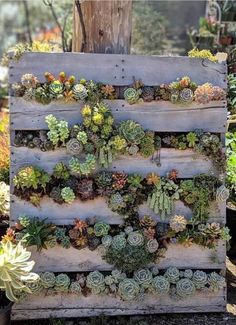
<point>147,146</point>
<point>79,92</point>
<point>56,88</point>
<point>225,235</point>
<point>62,282</point>
<point>75,288</point>
<point>199,279</point>
<point>101,229</point>
<point>106,241</point>
<point>82,137</point>
<point>109,280</point>
<point>48,279</point>
<point>135,238</point>
<point>128,289</point>
<point>118,143</point>
<point>83,168</point>
<point>35,287</point>
<point>132,95</point>
<point>24,221</point>
<point>152,245</point>
<point>185,288</point>
<point>60,171</point>
<point>118,242</point>
<point>143,277</point>
<point>188,274</point>
<point>31,177</point>
<point>118,275</point>
<point>192,139</point>
<point>172,274</point>
<point>216,281</point>
<point>160,285</point>
<point>95,281</point>
<point>116,202</point>
<point>74,147</point>
<point>68,195</point>
<point>131,131</point>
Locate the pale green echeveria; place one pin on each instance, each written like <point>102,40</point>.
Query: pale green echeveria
<point>35,287</point>
<point>75,287</point>
<point>118,275</point>
<point>15,269</point>
<point>95,281</point>
<point>160,285</point>
<point>128,289</point>
<point>216,281</point>
<point>62,282</point>
<point>47,279</point>
<point>188,274</point>
<point>199,279</point>
<point>106,241</point>
<point>135,238</point>
<point>101,229</point>
<point>185,288</point>
<point>109,280</point>
<point>172,274</point>
<point>68,195</point>
<point>118,242</point>
<point>143,277</point>
<point>225,235</point>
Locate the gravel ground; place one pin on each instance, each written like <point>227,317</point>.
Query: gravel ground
<point>228,318</point>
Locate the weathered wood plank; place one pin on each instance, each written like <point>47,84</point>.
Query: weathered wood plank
<point>187,162</point>
<point>162,116</point>
<point>66,213</point>
<point>120,69</point>
<point>69,305</point>
<point>84,260</point>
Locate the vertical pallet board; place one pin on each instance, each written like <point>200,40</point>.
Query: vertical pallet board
<point>160,116</point>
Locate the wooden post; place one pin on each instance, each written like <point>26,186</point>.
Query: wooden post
<point>102,26</point>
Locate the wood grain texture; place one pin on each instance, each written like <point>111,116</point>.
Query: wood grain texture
<point>187,162</point>
<point>162,116</point>
<point>66,213</point>
<point>192,257</point>
<point>119,69</point>
<point>69,305</point>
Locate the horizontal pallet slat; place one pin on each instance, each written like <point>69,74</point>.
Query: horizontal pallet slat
<point>187,162</point>
<point>63,305</point>
<point>118,69</point>
<point>192,257</point>
<point>162,116</point>
<point>66,213</point>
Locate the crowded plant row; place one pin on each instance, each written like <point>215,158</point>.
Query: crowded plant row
<point>67,88</point>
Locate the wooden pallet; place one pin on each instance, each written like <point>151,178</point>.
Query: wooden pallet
<point>161,116</point>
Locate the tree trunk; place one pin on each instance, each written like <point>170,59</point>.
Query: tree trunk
<point>102,26</point>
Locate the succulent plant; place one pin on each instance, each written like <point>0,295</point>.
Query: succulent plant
<point>62,282</point>
<point>79,92</point>
<point>24,221</point>
<point>119,179</point>
<point>101,229</point>
<point>15,269</point>
<point>185,288</point>
<point>153,179</point>
<point>216,281</point>
<point>204,93</point>
<point>178,223</point>
<point>147,147</point>
<point>152,245</point>
<point>95,281</point>
<point>192,139</point>
<point>56,88</point>
<point>106,241</point>
<point>128,289</point>
<point>172,274</point>
<point>135,238</point>
<point>131,131</point>
<point>4,198</point>
<point>58,130</point>
<point>55,194</point>
<point>31,177</point>
<point>132,95</point>
<point>103,181</point>
<point>35,287</point>
<point>186,95</point>
<point>133,149</point>
<point>199,279</point>
<point>148,93</point>
<point>60,171</point>
<point>68,195</point>
<point>48,279</point>
<point>116,202</point>
<point>222,194</point>
<point>143,277</point>
<point>82,137</point>
<point>83,168</point>
<point>118,242</point>
<point>75,287</point>
<point>28,80</point>
<point>161,285</point>
<point>225,235</point>
<point>74,147</point>
<point>218,93</point>
<point>188,274</point>
<point>72,182</point>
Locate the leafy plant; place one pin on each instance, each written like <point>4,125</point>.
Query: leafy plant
<point>31,178</point>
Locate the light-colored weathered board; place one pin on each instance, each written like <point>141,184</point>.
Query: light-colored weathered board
<point>69,305</point>
<point>161,116</point>
<point>187,162</point>
<point>66,213</point>
<point>85,260</point>
<point>118,69</point>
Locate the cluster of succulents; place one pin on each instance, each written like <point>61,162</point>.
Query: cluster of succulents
<point>83,168</point>
<point>206,92</point>
<point>182,90</point>
<point>173,282</point>
<point>33,139</point>
<point>202,54</point>
<point>58,130</point>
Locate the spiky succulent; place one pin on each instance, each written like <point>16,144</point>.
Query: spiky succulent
<point>131,131</point>
<point>178,223</point>
<point>160,285</point>
<point>147,147</point>
<point>58,130</point>
<point>185,288</point>
<point>95,281</point>
<point>68,195</point>
<point>24,221</point>
<point>128,289</point>
<point>82,137</point>
<point>132,95</point>
<point>101,229</point>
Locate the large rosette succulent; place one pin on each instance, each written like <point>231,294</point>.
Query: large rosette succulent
<point>128,289</point>
<point>75,287</point>
<point>185,288</point>
<point>48,279</point>
<point>106,241</point>
<point>62,282</point>
<point>152,245</point>
<point>199,279</point>
<point>74,147</point>
<point>96,282</point>
<point>131,131</point>
<point>143,277</point>
<point>172,274</point>
<point>101,229</point>
<point>161,285</point>
<point>118,242</point>
<point>135,238</point>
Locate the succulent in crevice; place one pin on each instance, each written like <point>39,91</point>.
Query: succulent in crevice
<point>85,189</point>
<point>68,195</point>
<point>131,131</point>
